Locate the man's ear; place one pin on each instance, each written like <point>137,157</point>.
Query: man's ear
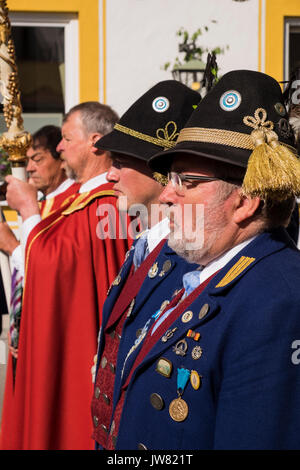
<point>245,207</point>
<point>93,138</point>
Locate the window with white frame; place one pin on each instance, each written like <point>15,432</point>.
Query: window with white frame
<point>292,46</point>
<point>47,58</point>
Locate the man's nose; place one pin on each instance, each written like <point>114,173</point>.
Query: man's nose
<point>30,165</point>
<point>113,174</point>
<point>59,147</point>
<point>168,194</point>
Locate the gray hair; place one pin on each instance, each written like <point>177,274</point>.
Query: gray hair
<point>96,117</point>
<point>270,214</point>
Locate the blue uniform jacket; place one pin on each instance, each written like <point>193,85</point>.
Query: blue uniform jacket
<point>167,281</point>
<point>249,396</point>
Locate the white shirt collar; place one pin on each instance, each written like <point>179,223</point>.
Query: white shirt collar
<point>93,183</point>
<point>220,262</point>
<point>156,233</point>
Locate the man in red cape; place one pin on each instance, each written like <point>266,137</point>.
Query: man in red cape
<point>72,257</point>
<point>47,175</point>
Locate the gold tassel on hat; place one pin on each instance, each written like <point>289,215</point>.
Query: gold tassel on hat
<point>273,170</point>
<point>160,178</point>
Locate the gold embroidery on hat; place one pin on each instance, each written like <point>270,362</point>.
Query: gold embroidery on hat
<point>259,120</point>
<point>166,142</point>
<point>165,132</point>
<point>236,270</point>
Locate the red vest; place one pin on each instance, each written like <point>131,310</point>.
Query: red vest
<point>104,386</point>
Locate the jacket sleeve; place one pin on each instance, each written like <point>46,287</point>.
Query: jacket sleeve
<point>259,400</point>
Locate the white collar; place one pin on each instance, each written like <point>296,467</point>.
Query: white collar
<point>61,188</point>
<point>220,262</point>
<point>93,183</point>
<point>156,233</point>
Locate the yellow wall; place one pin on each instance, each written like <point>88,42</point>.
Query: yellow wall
<point>276,10</point>
<point>87,11</point>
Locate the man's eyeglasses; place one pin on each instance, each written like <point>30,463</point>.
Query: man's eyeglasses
<point>178,180</point>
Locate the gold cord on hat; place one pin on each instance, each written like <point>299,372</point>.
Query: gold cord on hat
<point>273,171</point>
<point>216,136</point>
<point>167,141</point>
<point>219,136</point>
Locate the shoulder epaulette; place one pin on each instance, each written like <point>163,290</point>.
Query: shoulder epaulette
<point>80,202</point>
<point>236,270</point>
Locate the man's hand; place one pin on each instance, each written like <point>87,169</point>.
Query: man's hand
<point>8,241</point>
<point>22,197</point>
<point>93,369</point>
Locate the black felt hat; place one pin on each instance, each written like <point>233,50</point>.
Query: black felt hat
<point>243,115</point>
<point>153,121</point>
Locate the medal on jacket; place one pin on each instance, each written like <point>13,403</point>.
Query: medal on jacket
<point>178,408</point>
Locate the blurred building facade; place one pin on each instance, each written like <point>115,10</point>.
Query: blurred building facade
<point>113,50</point>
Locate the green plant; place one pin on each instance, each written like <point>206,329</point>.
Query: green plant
<point>190,47</point>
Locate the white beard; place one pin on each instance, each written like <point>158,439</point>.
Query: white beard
<point>194,236</point>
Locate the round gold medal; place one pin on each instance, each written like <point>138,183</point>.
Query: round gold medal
<point>187,316</point>
<point>178,410</point>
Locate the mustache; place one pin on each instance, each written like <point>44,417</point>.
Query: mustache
<point>169,212</point>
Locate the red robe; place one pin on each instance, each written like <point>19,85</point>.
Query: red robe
<point>49,206</point>
<point>68,269</point>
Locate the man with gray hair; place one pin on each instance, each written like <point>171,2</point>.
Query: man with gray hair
<point>82,127</point>
<point>69,268</point>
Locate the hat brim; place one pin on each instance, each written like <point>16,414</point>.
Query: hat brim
<point>162,161</point>
<point>124,144</point>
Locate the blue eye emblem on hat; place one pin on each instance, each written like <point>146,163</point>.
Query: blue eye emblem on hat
<point>230,100</point>
<point>160,104</point>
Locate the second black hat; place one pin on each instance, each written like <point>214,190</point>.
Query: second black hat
<point>153,122</point>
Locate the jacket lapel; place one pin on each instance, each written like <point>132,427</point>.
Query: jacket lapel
<point>116,286</point>
<point>160,270</point>
<point>112,295</point>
